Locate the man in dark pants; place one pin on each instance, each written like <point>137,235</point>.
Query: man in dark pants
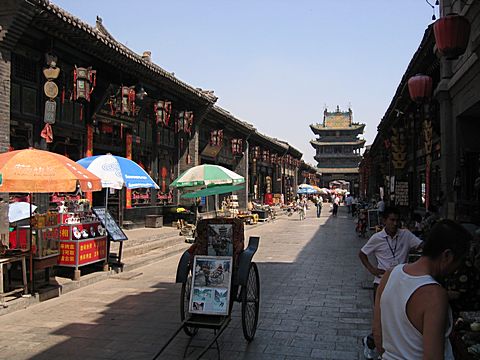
<point>319,204</point>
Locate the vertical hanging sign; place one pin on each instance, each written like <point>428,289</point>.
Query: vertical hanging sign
<point>89,152</point>
<point>128,155</point>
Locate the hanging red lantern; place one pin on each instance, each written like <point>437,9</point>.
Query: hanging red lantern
<point>216,138</point>
<point>451,35</point>
<point>237,146</point>
<point>420,87</point>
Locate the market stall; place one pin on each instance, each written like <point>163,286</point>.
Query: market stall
<point>115,172</point>
<point>36,171</point>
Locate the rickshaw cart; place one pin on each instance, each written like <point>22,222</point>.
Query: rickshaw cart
<point>245,284</point>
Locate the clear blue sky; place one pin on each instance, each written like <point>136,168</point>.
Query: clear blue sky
<point>276,63</point>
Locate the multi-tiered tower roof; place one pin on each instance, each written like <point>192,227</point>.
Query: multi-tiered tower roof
<point>338,146</point>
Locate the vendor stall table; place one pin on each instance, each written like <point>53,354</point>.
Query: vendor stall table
<point>10,260</point>
<point>81,244</point>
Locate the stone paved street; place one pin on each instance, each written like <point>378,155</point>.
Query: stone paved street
<point>312,305</point>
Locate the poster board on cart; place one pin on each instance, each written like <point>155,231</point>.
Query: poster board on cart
<point>373,218</point>
<point>210,293</point>
<point>113,230</point>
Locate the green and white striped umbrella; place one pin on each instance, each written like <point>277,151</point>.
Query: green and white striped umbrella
<point>207,175</point>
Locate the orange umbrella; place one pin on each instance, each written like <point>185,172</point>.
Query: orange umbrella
<point>38,171</point>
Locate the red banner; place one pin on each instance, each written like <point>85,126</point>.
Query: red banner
<point>67,253</point>
<point>128,155</point>
<point>92,250</point>
<point>89,251</point>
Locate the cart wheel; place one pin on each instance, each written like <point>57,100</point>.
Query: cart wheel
<point>250,303</point>
<point>184,304</point>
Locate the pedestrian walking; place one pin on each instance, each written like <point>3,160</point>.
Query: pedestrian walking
<point>348,202</point>
<point>390,248</point>
<point>412,317</point>
<point>336,203</point>
<point>318,205</point>
<point>354,205</point>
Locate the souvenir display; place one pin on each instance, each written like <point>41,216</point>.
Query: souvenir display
<point>45,235</point>
<point>82,237</point>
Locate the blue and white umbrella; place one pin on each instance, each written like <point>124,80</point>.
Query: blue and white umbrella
<point>306,189</point>
<point>117,172</point>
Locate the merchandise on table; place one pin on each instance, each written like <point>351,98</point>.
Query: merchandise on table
<point>45,235</point>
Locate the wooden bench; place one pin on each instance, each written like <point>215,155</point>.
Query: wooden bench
<point>10,260</point>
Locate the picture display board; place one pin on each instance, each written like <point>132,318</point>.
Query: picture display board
<point>210,293</point>
<point>113,230</point>
<point>220,239</point>
<point>373,219</point>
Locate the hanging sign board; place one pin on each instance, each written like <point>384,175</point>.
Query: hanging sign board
<point>50,112</point>
<point>113,230</point>
<point>401,193</point>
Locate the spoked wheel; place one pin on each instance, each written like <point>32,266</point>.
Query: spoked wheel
<point>250,303</point>
<point>184,304</point>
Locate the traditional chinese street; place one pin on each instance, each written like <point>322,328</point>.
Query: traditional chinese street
<point>312,305</point>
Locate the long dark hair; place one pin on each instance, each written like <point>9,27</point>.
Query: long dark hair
<point>447,234</point>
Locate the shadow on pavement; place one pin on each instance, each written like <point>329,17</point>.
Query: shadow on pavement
<point>311,307</point>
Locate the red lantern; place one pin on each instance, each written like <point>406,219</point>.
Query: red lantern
<point>420,87</point>
<point>451,35</point>
<point>216,138</point>
<point>237,146</point>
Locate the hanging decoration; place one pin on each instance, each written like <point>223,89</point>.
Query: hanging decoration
<point>122,102</point>
<point>164,174</point>
<point>126,100</point>
<point>184,122</point>
<point>274,158</point>
<point>420,88</point>
<point>266,156</point>
<point>256,152</point>
<point>216,138</point>
<point>237,146</point>
<point>451,35</point>
<point>84,82</point>
<point>427,133</point>
<point>163,111</point>
<point>51,91</point>
<point>399,148</point>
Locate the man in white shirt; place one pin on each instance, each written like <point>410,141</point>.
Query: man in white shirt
<point>381,206</point>
<point>348,202</point>
<point>389,246</point>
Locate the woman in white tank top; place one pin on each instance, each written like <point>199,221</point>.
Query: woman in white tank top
<point>412,318</point>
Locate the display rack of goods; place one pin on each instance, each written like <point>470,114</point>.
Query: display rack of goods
<point>233,205</point>
<point>45,236</point>
<point>83,239</point>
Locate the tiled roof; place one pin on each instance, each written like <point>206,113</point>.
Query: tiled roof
<point>99,33</point>
<point>320,127</point>
<point>227,114</point>
<point>338,170</point>
<point>327,143</point>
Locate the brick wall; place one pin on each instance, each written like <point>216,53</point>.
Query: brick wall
<point>4,100</point>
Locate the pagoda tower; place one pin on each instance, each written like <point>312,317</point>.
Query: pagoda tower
<point>338,148</point>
